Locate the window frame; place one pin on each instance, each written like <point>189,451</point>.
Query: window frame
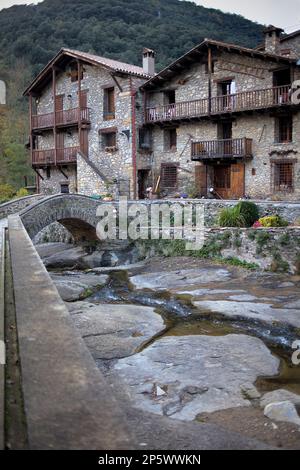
<point>165,179</point>
<point>109,106</point>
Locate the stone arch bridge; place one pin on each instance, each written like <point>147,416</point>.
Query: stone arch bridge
<point>77,213</point>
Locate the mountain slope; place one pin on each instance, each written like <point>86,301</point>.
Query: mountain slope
<point>117,28</point>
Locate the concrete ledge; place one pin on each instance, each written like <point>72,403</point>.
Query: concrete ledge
<point>68,404</point>
<point>2,339</point>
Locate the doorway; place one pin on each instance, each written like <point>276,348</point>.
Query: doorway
<point>229,180</point>
<point>143,182</point>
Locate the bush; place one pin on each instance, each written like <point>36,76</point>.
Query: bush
<point>273,221</point>
<point>249,211</point>
<point>6,192</point>
<point>22,192</point>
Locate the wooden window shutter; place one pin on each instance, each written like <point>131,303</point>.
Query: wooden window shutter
<point>169,175</point>
<point>201,179</point>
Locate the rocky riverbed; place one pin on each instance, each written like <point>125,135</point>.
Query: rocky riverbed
<point>189,340</point>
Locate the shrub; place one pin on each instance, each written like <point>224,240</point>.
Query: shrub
<point>231,217</point>
<point>22,192</point>
<point>273,221</point>
<point>249,211</point>
<point>6,192</point>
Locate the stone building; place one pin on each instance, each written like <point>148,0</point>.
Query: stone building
<point>83,123</point>
<point>221,121</point>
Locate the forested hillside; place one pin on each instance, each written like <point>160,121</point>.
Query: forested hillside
<point>30,35</point>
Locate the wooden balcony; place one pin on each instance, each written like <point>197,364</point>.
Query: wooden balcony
<point>64,156</point>
<point>245,101</point>
<point>222,149</point>
<point>68,117</point>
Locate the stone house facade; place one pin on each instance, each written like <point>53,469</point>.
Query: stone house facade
<point>224,124</point>
<point>220,122</point>
<point>83,129</point>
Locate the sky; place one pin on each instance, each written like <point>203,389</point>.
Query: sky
<point>283,13</point>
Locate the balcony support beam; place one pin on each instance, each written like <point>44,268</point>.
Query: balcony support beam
<point>54,115</point>
<point>79,104</point>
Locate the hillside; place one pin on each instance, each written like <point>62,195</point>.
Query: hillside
<point>30,35</point>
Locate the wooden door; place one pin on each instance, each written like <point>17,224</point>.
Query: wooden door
<point>83,99</point>
<point>237,189</point>
<point>84,141</point>
<point>59,107</point>
<point>60,146</point>
<point>201,179</point>
<point>222,181</point>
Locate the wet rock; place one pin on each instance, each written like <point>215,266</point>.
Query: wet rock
<point>75,286</point>
<point>115,331</point>
<point>252,310</point>
<point>49,249</point>
<point>282,411</point>
<point>178,279</point>
<point>279,396</point>
<point>69,258</point>
<point>198,373</point>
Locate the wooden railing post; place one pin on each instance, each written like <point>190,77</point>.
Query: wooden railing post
<point>54,112</point>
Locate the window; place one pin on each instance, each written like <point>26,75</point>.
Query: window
<point>284,129</point>
<point>109,141</point>
<point>284,176</point>
<point>170,140</point>
<point>145,139</point>
<point>74,72</point>
<point>109,104</point>
<point>169,175</point>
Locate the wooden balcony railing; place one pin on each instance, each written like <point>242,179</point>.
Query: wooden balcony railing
<point>65,117</point>
<point>178,110</point>
<point>226,148</point>
<point>244,101</point>
<point>47,157</point>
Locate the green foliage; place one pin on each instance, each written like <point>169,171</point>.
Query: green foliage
<point>231,217</point>
<point>279,265</point>
<point>240,263</point>
<point>6,192</point>
<point>249,211</point>
<point>285,239</point>
<point>273,221</point>
<point>22,192</point>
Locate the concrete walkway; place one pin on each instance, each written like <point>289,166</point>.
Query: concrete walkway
<point>3,224</point>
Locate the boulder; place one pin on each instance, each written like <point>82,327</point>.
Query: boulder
<point>115,331</point>
<point>282,411</point>
<point>74,286</point>
<point>198,374</point>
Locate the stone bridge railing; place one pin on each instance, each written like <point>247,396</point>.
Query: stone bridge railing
<point>66,402</point>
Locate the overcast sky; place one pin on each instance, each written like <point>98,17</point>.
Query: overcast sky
<point>283,13</point>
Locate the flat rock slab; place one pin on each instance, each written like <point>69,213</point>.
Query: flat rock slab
<point>49,249</point>
<point>254,310</point>
<point>181,377</point>
<point>68,258</point>
<point>115,331</point>
<point>75,286</point>
<point>180,278</point>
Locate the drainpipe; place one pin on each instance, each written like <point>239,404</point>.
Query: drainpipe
<point>133,133</point>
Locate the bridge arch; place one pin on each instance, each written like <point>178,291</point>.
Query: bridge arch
<point>75,212</point>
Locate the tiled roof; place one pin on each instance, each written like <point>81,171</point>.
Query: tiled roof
<point>110,63</point>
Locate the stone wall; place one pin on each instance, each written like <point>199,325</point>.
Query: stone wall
<point>16,205</point>
<point>52,184</point>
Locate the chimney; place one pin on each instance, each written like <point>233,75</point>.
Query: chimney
<point>272,39</point>
<point>149,61</point>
